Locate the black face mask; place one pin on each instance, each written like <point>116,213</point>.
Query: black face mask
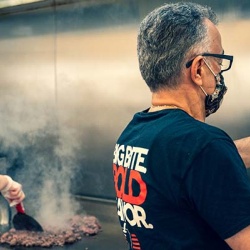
<point>213,102</point>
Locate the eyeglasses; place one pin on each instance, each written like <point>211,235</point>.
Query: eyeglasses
<point>225,64</point>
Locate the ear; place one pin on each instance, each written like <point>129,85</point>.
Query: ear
<point>197,70</point>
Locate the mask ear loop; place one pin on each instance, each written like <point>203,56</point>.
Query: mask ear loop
<point>203,91</point>
<point>217,77</point>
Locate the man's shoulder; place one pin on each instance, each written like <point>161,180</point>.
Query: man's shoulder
<point>185,125</point>
<point>212,131</point>
<point>170,126</point>
<point>191,133</point>
<point>206,132</point>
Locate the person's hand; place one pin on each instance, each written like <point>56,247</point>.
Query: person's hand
<point>13,192</point>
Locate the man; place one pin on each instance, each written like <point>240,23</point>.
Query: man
<point>180,183</point>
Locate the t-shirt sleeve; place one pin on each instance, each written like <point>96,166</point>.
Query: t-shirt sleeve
<point>219,188</point>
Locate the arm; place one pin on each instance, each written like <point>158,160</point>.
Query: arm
<point>240,241</point>
<point>243,146</point>
<point>222,193</point>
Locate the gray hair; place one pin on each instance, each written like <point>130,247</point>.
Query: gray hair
<point>166,36</point>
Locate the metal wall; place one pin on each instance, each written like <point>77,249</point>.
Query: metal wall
<point>70,82</point>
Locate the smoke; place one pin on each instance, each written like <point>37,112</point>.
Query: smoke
<point>36,152</point>
<point>55,193</point>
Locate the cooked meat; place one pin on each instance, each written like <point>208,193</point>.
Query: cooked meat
<point>78,227</point>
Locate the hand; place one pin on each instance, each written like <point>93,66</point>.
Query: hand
<point>13,192</point>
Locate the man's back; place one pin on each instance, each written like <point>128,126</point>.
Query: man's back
<point>167,182</point>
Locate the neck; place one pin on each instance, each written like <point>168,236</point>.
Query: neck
<point>163,106</point>
<point>178,99</point>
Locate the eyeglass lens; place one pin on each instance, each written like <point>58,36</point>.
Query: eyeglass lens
<point>225,64</point>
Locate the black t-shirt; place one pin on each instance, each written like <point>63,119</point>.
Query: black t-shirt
<point>180,183</point>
